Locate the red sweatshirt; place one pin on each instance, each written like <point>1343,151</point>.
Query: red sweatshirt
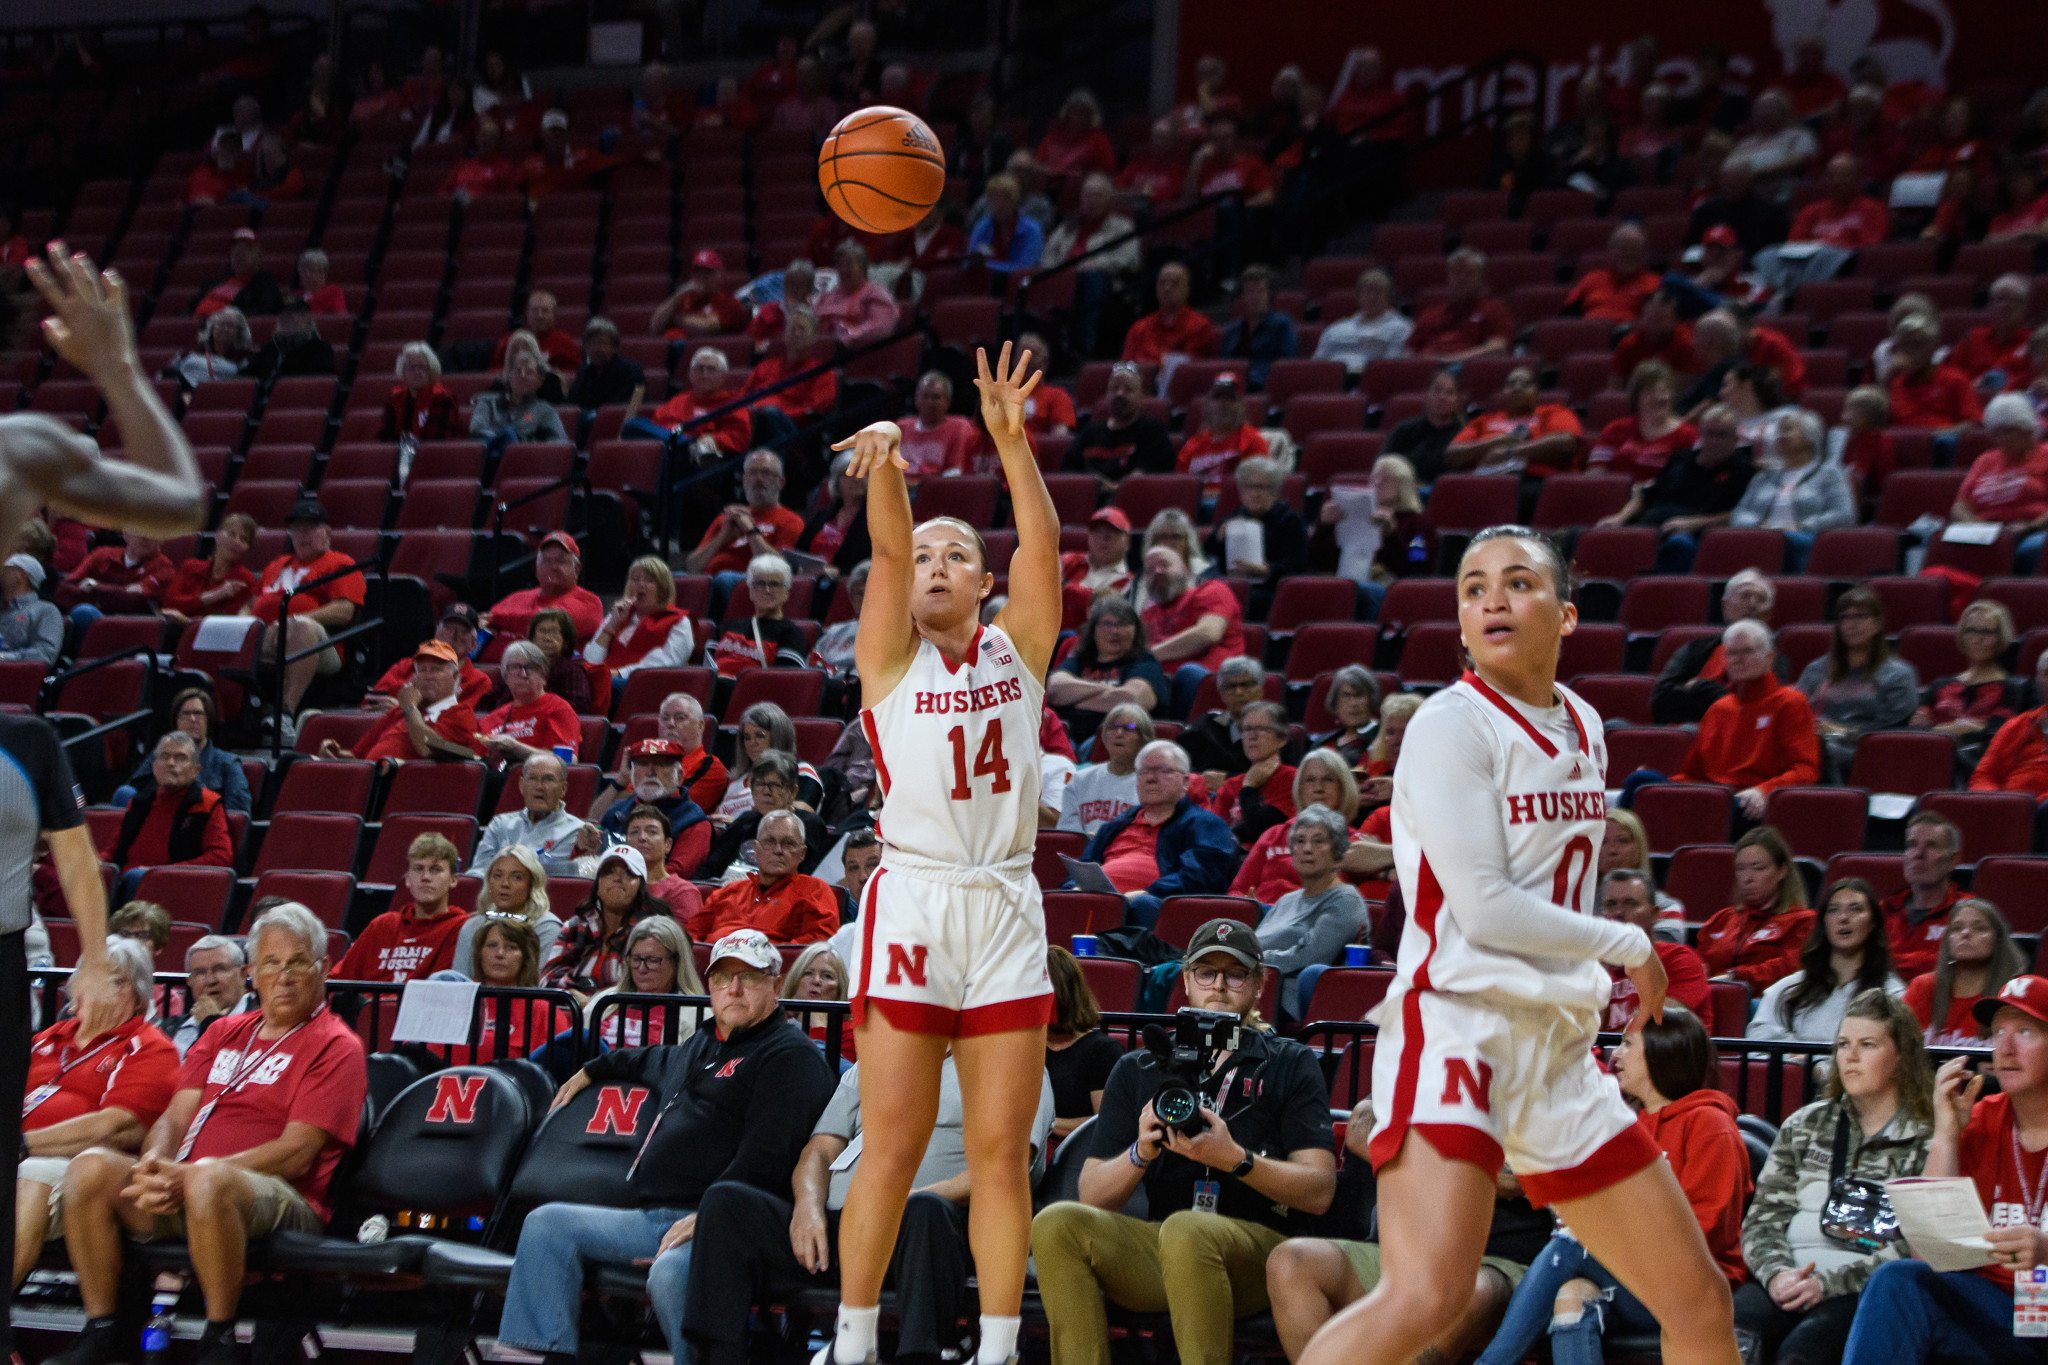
<point>1698,1133</point>
<point>399,945</point>
<point>1761,736</point>
<point>2017,760</point>
<point>801,909</point>
<point>1755,947</point>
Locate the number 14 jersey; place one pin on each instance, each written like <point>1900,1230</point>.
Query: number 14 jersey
<point>956,752</point>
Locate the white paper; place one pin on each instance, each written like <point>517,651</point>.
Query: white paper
<point>435,1012</point>
<point>1244,542</point>
<point>1971,532</point>
<point>809,565</point>
<point>1891,805</point>
<point>1358,535</point>
<point>1798,251</point>
<point>1918,190</point>
<point>1089,876</point>
<point>844,1161</point>
<point>223,634</point>
<point>1168,363</point>
<point>1942,1220</point>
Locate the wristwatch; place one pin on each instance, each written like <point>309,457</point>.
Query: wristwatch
<point>1244,1168</point>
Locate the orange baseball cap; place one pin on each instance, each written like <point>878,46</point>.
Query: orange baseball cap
<point>436,649</point>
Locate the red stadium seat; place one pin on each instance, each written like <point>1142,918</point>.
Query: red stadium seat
<point>1649,605</point>
<point>1595,647</point>
<point>1905,761</point>
<point>1113,980</point>
<point>1659,748</point>
<point>1325,646</point>
<point>1298,601</point>
<point>796,690</point>
<point>1045,860</point>
<point>1854,552</point>
<point>2014,886</point>
<point>194,895</point>
<point>1701,877</point>
<point>1328,456</point>
<point>338,785</point>
<point>1910,601</point>
<point>1994,824</point>
<point>1910,494</point>
<point>1180,916</point>
<point>1616,552</point>
<point>1677,813</point>
<point>435,789</point>
<point>1347,994</point>
<point>1079,912</point>
<point>388,857</point>
<point>1144,496</point>
<point>2025,598</point>
<point>1432,654</point>
<point>307,841</point>
<point>1579,500</point>
<point>1470,502</point>
<point>1932,650</point>
<point>1727,550</point>
<point>970,498</point>
<point>1617,696</point>
<point>326,894</point>
<point>1818,822</point>
<point>645,688</point>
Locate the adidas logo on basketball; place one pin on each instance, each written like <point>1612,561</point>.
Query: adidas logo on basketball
<point>914,136</point>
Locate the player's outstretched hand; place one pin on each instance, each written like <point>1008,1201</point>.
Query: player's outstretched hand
<point>1651,984</point>
<point>1003,393</point>
<point>89,323</point>
<point>872,446</point>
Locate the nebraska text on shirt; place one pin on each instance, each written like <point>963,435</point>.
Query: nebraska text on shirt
<point>968,699</point>
<point>1548,806</point>
<point>227,1061</point>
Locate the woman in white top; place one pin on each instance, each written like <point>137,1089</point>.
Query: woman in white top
<point>1375,331</point>
<point>1102,792</point>
<point>1847,953</point>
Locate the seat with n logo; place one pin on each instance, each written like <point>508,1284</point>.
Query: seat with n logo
<point>579,1156</point>
<point>447,1145</point>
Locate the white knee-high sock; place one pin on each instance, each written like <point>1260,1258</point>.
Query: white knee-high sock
<point>854,1340</point>
<point>998,1340</point>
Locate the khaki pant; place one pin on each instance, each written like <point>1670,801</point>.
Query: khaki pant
<point>1204,1269</point>
<point>277,1206</point>
<point>48,1172</point>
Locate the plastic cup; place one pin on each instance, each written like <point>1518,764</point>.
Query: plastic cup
<point>566,752</point>
<point>1084,945</point>
<point>1357,955</point>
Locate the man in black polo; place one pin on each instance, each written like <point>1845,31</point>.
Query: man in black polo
<point>39,800</point>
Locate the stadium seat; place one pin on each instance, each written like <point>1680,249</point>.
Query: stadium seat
<point>2014,886</point>
<point>1649,605</point>
<point>1932,650</point>
<point>1324,646</point>
<point>1615,552</point>
<point>1994,824</point>
<point>1727,550</point>
<point>1471,502</point>
<point>1910,601</point>
<point>1854,552</point>
<point>1410,601</point>
<point>1346,994</point>
<point>1616,696</point>
<point>434,789</point>
<point>970,498</point>
<point>1144,496</point>
<point>2025,598</point>
<point>386,865</point>
<point>1659,748</point>
<point>1114,982</point>
<point>1678,813</point>
<point>1904,761</point>
<point>1910,494</point>
<point>1595,647</point>
<point>1701,877</point>
<point>1068,913</point>
<point>1432,654</point>
<point>1885,872</point>
<point>193,895</point>
<point>341,786</point>
<point>644,689</point>
<point>1328,456</point>
<point>1818,822</point>
<point>326,894</point>
<point>303,841</point>
<point>796,690</point>
<point>1580,500</point>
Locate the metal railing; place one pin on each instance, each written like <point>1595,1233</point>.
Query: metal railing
<point>282,658</point>
<point>53,686</point>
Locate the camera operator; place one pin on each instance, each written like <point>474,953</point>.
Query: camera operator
<point>1218,1203</point>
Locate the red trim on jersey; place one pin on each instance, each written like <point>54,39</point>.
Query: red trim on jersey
<point>1457,1142</point>
<point>867,723</point>
<point>1549,750</point>
<point>1429,902</point>
<point>867,939</point>
<point>915,1016</point>
<point>1620,1157</point>
<point>1005,1016</point>
<point>973,651</point>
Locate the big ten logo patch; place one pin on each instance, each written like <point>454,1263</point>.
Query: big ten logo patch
<point>617,1113</point>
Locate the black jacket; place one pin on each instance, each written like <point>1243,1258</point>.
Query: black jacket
<point>280,359</point>
<point>1423,444</point>
<point>595,388</point>
<point>854,546</point>
<point>818,842</point>
<point>738,1108</point>
<point>1143,447</point>
<point>260,297</point>
<point>1210,748</point>
<point>188,822</point>
<point>1681,697</point>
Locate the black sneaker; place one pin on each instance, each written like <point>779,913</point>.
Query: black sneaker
<point>99,1343</point>
<point>218,1346</point>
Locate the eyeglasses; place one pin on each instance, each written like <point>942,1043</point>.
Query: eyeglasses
<point>1124,727</point>
<point>650,964</point>
<point>786,845</point>
<point>773,584</point>
<point>1233,977</point>
<point>1159,770</point>
<point>721,981</point>
<point>302,965</point>
<point>1261,730</point>
<point>520,668</point>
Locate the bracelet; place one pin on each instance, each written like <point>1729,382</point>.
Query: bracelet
<point>1136,1161</point>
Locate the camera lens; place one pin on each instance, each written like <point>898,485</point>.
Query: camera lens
<point>1178,1108</point>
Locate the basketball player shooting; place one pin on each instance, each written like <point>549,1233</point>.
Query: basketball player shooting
<point>1485,1052</point>
<point>951,951</point>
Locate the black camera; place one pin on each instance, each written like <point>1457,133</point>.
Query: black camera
<point>1198,1035</point>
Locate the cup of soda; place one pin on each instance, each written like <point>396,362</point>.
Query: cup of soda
<point>1357,955</point>
<point>566,752</point>
<point>1084,945</point>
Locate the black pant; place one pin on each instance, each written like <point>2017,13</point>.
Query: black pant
<point>1815,1337</point>
<point>14,1043</point>
<point>743,1257</point>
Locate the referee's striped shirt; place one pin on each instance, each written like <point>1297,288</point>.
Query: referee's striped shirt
<point>37,793</point>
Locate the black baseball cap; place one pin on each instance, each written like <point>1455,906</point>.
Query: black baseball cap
<point>306,509</point>
<point>463,612</point>
<point>1230,936</point>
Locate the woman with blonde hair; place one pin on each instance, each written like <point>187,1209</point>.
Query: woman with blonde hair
<point>1976,958</point>
<point>224,346</point>
<point>818,973</point>
<point>658,961</point>
<point>1171,528</point>
<point>512,410</point>
<point>1395,713</point>
<point>421,407</point>
<point>514,884</point>
<point>1758,940</point>
<point>1970,706</point>
<point>1627,845</point>
<point>1322,778</point>
<point>645,629</point>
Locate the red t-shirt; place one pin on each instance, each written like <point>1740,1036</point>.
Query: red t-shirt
<point>1959,1029</point>
<point>1986,348</point>
<point>1638,346</point>
<point>1943,397</point>
<point>1863,223</point>
<point>1868,456</point>
<point>195,576</point>
<point>801,910</point>
<point>1915,944</point>
<point>515,612</point>
<point>812,398</point>
<point>286,572</point>
<point>314,1074</point>
<point>947,448</point>
<point>731,433</point>
<point>133,1067</point>
<point>398,945</point>
<point>1623,449</point>
<point>1132,860</point>
<point>563,351</point>
<point>1278,792</point>
<point>1151,339</point>
<point>108,566</point>
<point>542,725</point>
<point>1163,620</point>
<point>452,720</point>
<point>2004,1172</point>
<point>732,315</point>
<point>779,526</point>
<point>1769,348</point>
<point>328,298</point>
<point>1605,295</point>
<point>477,176</point>
<point>1157,180</point>
<point>1996,489</point>
<point>474,686</point>
<point>1441,329</point>
<point>1049,406</point>
<point>1214,456</point>
<point>1549,419</point>
<point>1245,174</point>
<point>1685,975</point>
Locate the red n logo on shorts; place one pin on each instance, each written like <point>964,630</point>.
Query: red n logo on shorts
<point>1478,1089</point>
<point>910,964</point>
<point>618,1111</point>
<point>455,1099</point>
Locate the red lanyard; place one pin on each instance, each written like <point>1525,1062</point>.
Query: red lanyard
<point>2032,1193</point>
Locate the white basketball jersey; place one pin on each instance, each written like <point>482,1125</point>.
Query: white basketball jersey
<point>1498,814</point>
<point>956,751</point>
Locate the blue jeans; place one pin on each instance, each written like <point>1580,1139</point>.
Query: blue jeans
<point>1798,545</point>
<point>82,617</point>
<point>1534,1305</point>
<point>1676,553</point>
<point>1910,1312</point>
<point>545,1296</point>
<point>2027,554</point>
<point>722,584</point>
<point>1370,595</point>
<point>1186,680</point>
<point>1635,782</point>
<point>1143,911</point>
<point>642,429</point>
<point>128,884</point>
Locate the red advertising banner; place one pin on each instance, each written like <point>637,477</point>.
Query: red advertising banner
<point>1949,44</point>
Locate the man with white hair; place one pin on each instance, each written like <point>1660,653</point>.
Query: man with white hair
<point>710,387</point>
<point>778,898</point>
<point>2008,484</point>
<point>267,1104</point>
<point>216,983</point>
<point>88,1086</point>
<point>680,719</point>
<point>1170,845</point>
<point>1696,676</point>
<point>542,822</point>
<point>1616,291</point>
<point>1759,737</point>
<point>1999,345</point>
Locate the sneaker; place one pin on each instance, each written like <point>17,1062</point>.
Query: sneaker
<point>824,1356</point>
<point>99,1343</point>
<point>218,1346</point>
<point>287,729</point>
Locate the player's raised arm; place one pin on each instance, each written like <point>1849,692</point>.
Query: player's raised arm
<point>887,640</point>
<point>1451,797</point>
<point>156,490</point>
<point>1031,618</point>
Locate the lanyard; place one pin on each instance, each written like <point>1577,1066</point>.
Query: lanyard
<point>245,1068</point>
<point>2032,1193</point>
<point>37,1097</point>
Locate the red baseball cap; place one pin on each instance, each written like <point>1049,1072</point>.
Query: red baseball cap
<point>563,539</point>
<point>1720,235</point>
<point>2027,994</point>
<point>1114,516</point>
<point>655,748</point>
<point>707,259</point>
<point>435,649</point>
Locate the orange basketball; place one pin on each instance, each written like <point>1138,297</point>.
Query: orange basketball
<point>881,169</point>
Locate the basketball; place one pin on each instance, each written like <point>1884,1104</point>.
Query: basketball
<point>881,169</point>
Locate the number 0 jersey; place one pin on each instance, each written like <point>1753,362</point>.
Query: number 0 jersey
<point>1498,813</point>
<point>956,751</point>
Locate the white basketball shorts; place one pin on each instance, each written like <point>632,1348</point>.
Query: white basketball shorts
<point>953,960</point>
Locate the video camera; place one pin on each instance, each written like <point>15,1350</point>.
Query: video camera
<point>1198,1035</point>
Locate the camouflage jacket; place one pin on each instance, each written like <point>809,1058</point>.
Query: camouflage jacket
<point>1781,1231</point>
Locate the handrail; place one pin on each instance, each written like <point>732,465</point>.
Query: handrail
<point>368,567</point>
<point>107,727</point>
<point>499,507</point>
<point>749,397</point>
<point>617,1003</point>
<point>54,684</point>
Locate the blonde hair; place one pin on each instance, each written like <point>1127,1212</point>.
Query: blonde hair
<point>1347,784</point>
<point>522,342</point>
<point>419,350</point>
<point>1873,400</point>
<point>657,569</point>
<point>2000,615</point>
<point>1409,499</point>
<point>802,964</point>
<point>1400,706</point>
<point>1633,823</point>
<point>436,847</point>
<point>1176,522</point>
<point>537,879</point>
